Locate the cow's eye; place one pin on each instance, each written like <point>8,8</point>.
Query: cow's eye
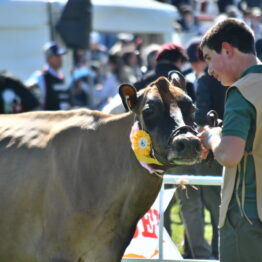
<point>147,110</point>
<point>152,109</point>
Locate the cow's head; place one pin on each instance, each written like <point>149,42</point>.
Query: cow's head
<point>166,113</point>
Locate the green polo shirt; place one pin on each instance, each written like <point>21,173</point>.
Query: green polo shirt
<point>240,121</point>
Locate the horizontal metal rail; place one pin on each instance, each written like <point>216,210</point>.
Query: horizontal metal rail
<point>193,180</point>
<point>166,260</point>
<point>187,179</point>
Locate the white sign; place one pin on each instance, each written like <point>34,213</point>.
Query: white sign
<point>145,242</point>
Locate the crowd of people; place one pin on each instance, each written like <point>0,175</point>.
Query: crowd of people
<point>115,59</point>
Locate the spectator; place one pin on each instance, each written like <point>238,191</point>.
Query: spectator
<point>189,22</point>
<point>223,4</point>
<point>149,55</point>
<point>108,39</point>
<point>169,57</point>
<point>258,46</point>
<point>113,78</point>
<point>125,42</point>
<point>210,95</point>
<point>49,84</point>
<point>115,106</point>
<point>14,96</point>
<point>193,200</point>
<point>83,87</point>
<point>131,66</point>
<point>256,22</point>
<point>196,64</point>
<point>251,3</point>
<point>98,52</point>
<point>230,11</point>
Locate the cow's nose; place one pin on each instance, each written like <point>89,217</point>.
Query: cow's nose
<point>186,145</point>
<point>185,149</point>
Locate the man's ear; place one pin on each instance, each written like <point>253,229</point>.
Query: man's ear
<point>227,48</point>
<point>128,95</point>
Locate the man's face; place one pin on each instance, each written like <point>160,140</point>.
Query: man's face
<point>55,61</point>
<point>219,65</point>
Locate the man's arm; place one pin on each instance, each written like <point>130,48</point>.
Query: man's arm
<point>227,150</point>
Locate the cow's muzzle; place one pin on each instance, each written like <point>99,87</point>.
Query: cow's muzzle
<point>184,147</point>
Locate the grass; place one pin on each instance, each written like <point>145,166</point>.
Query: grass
<point>177,227</point>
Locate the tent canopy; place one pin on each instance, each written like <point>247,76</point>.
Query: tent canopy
<point>134,16</point>
<point>22,38</point>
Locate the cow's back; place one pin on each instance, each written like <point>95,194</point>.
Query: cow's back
<point>34,148</point>
<point>60,174</point>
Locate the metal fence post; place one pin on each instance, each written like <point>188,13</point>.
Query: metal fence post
<point>187,179</point>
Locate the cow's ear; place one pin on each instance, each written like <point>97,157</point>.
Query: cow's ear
<point>162,84</point>
<point>177,79</point>
<point>128,95</point>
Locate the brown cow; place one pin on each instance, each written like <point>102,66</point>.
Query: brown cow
<point>71,188</point>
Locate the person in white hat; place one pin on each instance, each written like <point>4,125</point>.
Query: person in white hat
<point>48,84</point>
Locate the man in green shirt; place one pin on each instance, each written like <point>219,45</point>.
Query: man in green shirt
<point>229,50</point>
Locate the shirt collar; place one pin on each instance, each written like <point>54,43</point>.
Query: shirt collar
<point>253,69</point>
<point>53,72</point>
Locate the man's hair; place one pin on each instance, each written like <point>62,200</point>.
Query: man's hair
<point>233,31</point>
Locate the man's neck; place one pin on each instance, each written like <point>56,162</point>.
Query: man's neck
<point>53,71</point>
<point>244,62</point>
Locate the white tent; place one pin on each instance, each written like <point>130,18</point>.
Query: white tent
<point>134,16</point>
<point>25,27</point>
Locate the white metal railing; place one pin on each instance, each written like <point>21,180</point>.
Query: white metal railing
<point>175,180</point>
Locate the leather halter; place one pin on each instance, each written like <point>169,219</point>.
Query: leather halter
<point>182,130</point>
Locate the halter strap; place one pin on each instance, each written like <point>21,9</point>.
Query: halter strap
<point>182,130</point>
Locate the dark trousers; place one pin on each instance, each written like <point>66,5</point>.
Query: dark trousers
<point>240,241</point>
<point>193,201</point>
<point>210,196</point>
<point>193,218</point>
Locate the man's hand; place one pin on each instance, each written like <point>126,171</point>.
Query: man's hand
<point>210,136</point>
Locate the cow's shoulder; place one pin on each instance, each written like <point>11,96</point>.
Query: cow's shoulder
<point>36,129</point>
